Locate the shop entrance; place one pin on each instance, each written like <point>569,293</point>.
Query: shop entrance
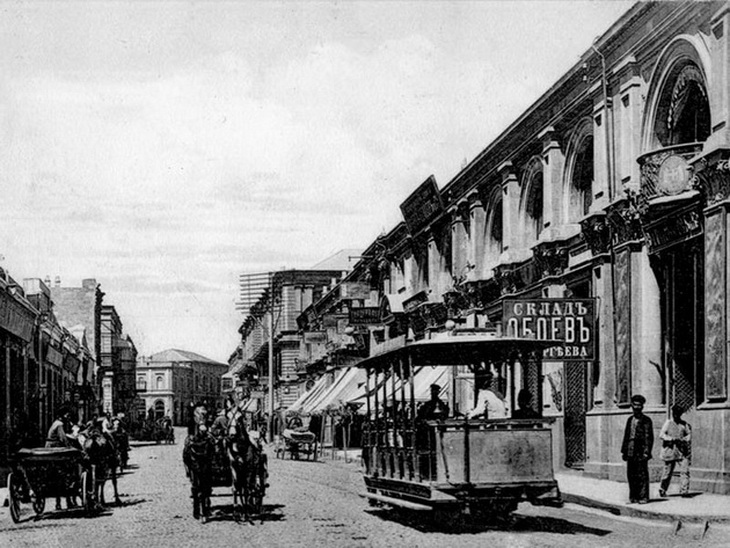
<point>680,272</point>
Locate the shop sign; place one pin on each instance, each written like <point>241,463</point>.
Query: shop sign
<point>409,305</point>
<point>355,290</point>
<point>422,206</point>
<point>315,337</point>
<point>14,318</point>
<point>571,322</point>
<point>364,315</point>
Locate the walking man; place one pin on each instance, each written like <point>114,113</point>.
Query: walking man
<point>676,435</point>
<point>636,450</point>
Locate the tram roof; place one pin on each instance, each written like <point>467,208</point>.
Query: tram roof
<point>456,349</point>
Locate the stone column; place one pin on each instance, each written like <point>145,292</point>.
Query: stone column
<point>553,161</point>
<point>478,231</point>
<point>434,265</point>
<point>646,343</point>
<point>458,242</point>
<point>510,207</point>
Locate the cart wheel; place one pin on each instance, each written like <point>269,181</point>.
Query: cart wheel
<point>39,504</point>
<point>87,490</point>
<point>14,498</point>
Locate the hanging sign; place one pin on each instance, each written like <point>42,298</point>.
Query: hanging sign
<point>570,322</point>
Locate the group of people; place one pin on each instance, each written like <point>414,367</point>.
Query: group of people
<point>638,439</point>
<point>490,404</point>
<point>637,446</point>
<point>65,431</point>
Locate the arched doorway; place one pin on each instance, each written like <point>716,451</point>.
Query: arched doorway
<point>673,223</point>
<point>159,409</point>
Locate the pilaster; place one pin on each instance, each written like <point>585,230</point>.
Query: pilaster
<point>510,205</point>
<point>553,160</point>
<point>478,235</point>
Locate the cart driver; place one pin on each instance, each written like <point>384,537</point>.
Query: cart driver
<point>57,436</point>
<point>489,404</point>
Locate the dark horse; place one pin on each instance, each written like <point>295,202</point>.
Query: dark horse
<point>197,457</point>
<point>104,462</point>
<point>248,469</point>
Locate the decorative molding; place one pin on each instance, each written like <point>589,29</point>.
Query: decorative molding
<point>624,217</point>
<point>551,258</point>
<point>596,232</point>
<point>712,177</point>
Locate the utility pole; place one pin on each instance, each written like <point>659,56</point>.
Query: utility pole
<point>270,426</point>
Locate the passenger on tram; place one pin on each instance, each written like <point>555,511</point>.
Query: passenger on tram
<point>525,410</point>
<point>489,404</point>
<point>435,408</point>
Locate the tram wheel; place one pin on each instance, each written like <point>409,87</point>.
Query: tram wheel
<point>39,504</point>
<point>14,498</point>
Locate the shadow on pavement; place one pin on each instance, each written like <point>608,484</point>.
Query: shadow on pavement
<point>515,523</point>
<point>269,513</point>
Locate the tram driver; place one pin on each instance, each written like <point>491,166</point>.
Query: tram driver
<point>490,404</point>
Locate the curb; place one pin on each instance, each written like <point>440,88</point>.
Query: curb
<point>636,512</point>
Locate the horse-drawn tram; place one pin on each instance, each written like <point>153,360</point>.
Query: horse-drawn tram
<point>41,473</point>
<point>457,458</point>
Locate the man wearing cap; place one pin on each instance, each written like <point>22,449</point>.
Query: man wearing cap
<point>636,450</point>
<point>435,408</point>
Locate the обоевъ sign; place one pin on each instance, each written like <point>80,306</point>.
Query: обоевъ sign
<point>571,322</point>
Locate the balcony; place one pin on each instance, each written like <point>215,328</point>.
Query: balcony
<point>665,172</point>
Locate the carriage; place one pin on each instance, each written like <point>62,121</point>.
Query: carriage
<point>296,443</point>
<point>455,467</point>
<point>40,473</point>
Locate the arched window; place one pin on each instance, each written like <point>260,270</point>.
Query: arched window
<point>159,382</point>
<point>581,178</point>
<point>683,110</point>
<point>532,202</point>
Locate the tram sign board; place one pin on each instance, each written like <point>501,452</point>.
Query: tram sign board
<point>569,322</point>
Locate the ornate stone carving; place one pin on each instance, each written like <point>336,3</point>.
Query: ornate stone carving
<point>551,258</point>
<point>508,278</point>
<point>623,326</point>
<point>596,232</point>
<point>712,178</point>
<point>624,217</point>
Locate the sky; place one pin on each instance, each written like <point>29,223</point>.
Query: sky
<point>164,148</point>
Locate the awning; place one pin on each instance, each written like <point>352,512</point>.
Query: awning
<point>350,386</point>
<point>320,386</point>
<point>251,406</point>
<point>423,378</point>
<point>313,405</point>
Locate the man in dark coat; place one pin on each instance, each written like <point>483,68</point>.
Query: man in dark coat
<point>636,450</point>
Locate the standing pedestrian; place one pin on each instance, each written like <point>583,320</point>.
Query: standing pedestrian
<point>636,450</point>
<point>676,436</point>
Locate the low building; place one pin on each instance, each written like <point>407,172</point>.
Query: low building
<point>170,381</point>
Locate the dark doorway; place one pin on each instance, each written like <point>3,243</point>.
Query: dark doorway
<point>680,273</point>
<point>577,394</point>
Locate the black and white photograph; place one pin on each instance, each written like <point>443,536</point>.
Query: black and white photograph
<point>366,273</point>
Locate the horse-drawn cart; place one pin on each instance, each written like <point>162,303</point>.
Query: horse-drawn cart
<point>296,443</point>
<point>41,473</point>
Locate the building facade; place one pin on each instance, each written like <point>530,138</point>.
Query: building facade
<point>171,381</point>
<point>613,188</point>
<point>293,291</point>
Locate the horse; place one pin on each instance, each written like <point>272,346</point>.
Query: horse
<point>197,456</point>
<point>248,469</point>
<point>103,458</point>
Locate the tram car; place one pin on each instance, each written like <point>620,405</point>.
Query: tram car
<point>458,464</point>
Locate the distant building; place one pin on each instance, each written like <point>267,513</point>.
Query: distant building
<point>171,380</point>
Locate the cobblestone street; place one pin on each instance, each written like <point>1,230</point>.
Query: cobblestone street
<point>308,504</point>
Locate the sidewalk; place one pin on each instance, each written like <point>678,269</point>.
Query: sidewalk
<point>612,496</point>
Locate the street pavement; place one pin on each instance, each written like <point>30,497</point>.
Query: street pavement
<point>315,504</point>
